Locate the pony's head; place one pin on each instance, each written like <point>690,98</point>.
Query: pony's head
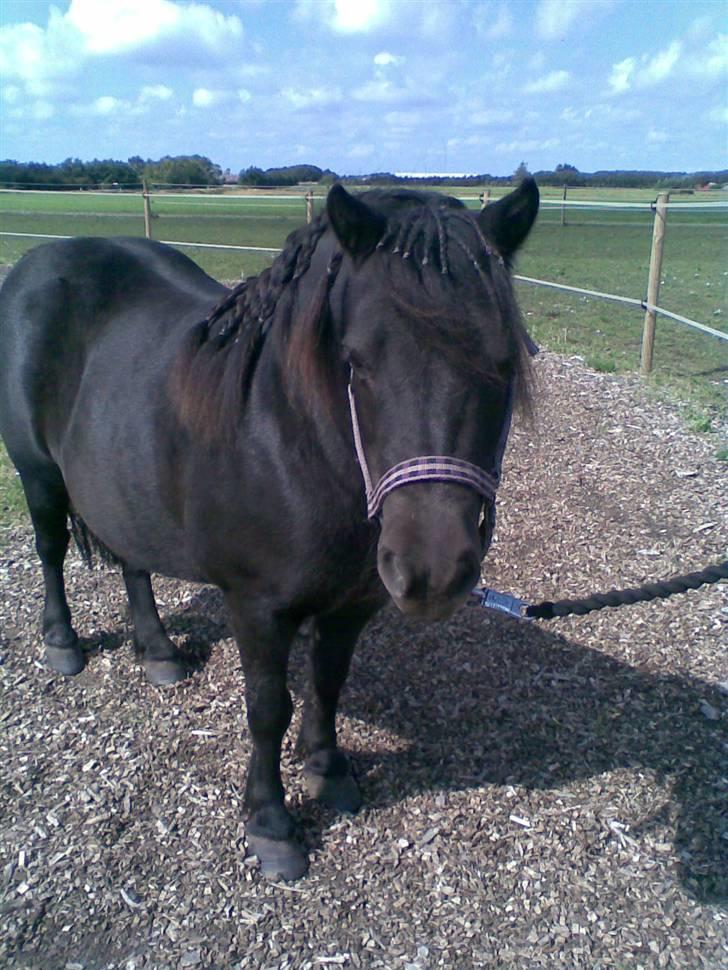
<point>426,326</point>
<point>407,298</point>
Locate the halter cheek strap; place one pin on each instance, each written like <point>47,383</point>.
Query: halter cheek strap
<point>428,468</point>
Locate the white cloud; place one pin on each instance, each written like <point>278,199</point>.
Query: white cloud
<point>710,61</point>
<point>382,91</point>
<point>471,141</point>
<point>90,29</point>
<point>106,105</point>
<point>44,87</point>
<point>28,53</point>
<point>155,92</point>
<point>112,28</point>
<point>311,98</point>
<point>526,145</point>
<point>361,151</point>
<point>656,137</point>
<point>108,28</point>
<point>554,18</point>
<point>357,15</point>
<point>432,20</point>
<point>344,16</point>
<point>647,71</point>
<point>620,79</point>
<point>599,115</point>
<point>554,81</point>
<point>36,111</point>
<point>205,98</point>
<point>661,65</point>
<point>384,58</point>
<point>718,115</point>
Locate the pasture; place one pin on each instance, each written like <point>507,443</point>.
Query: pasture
<point>607,250</point>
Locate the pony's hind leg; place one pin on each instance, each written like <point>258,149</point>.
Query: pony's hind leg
<point>48,503</point>
<point>327,773</point>
<point>162,661</point>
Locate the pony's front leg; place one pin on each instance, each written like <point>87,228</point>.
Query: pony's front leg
<point>327,772</point>
<point>264,641</point>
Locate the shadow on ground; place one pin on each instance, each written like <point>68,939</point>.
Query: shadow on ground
<point>486,700</point>
<point>497,702</point>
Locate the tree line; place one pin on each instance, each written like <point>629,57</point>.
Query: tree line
<point>566,174</point>
<point>563,174</point>
<point>182,170</point>
<point>111,173</point>
<point>198,170</point>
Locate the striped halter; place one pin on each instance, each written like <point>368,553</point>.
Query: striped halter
<point>428,468</point>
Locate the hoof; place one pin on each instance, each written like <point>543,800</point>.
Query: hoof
<point>164,672</point>
<point>68,661</point>
<point>279,859</point>
<point>338,792</point>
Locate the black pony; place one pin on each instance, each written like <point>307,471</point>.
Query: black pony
<point>237,438</point>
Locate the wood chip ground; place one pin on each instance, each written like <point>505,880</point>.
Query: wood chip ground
<point>537,795</point>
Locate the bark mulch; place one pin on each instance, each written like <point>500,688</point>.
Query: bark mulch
<point>537,795</point>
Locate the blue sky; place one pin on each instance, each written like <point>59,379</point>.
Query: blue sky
<point>369,85</point>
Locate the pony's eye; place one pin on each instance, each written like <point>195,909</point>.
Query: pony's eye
<point>356,363</point>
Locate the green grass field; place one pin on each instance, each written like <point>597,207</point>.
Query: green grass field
<point>607,250</point>
<point>601,249</point>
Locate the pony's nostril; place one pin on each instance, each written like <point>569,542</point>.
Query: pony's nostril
<point>465,576</point>
<point>407,580</point>
<point>390,571</point>
<point>400,578</point>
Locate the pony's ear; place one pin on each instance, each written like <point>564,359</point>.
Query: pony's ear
<point>508,221</point>
<point>358,228</point>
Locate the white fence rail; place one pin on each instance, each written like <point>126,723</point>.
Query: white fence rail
<point>262,195</point>
<point>651,308</point>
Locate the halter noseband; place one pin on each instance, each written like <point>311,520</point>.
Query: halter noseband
<point>428,468</point>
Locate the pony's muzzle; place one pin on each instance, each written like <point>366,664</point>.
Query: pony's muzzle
<point>422,593</point>
<point>429,551</point>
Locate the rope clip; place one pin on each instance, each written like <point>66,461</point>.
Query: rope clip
<point>491,599</point>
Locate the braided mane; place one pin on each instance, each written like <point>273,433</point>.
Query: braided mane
<point>429,232</point>
<point>212,372</point>
<point>250,305</point>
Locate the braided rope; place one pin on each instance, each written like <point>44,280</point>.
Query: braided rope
<point>622,597</point>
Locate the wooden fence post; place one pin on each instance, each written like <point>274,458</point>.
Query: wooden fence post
<point>147,210</point>
<point>653,283</point>
<point>309,206</point>
<point>563,207</point>
<point>484,198</point>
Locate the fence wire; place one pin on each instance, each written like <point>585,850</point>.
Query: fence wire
<point>203,201</point>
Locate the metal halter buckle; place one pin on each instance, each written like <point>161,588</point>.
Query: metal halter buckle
<point>491,599</point>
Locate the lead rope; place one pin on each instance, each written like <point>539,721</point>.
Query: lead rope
<point>548,610</point>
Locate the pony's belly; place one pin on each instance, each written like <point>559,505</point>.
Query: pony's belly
<point>136,530</point>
